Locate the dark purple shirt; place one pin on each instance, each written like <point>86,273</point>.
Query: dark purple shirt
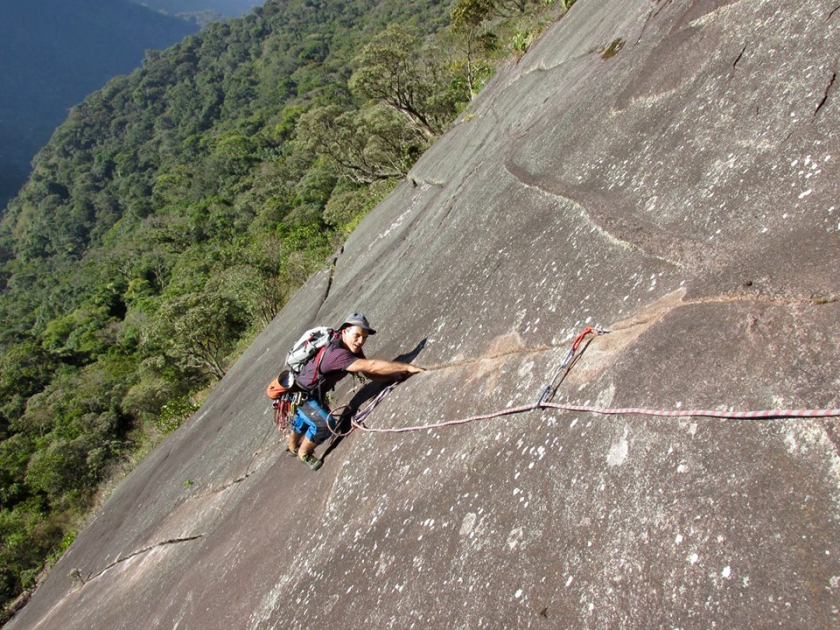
<point>333,367</point>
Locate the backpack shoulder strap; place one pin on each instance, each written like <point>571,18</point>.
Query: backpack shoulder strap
<point>318,358</point>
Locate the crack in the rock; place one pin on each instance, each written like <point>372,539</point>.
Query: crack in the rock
<point>652,13</point>
<point>164,543</point>
<point>419,181</point>
<point>823,100</point>
<point>330,278</point>
<point>789,135</point>
<point>825,93</point>
<point>812,300</point>
<point>833,11</point>
<point>333,265</point>
<point>738,58</point>
<point>635,323</point>
<point>232,482</point>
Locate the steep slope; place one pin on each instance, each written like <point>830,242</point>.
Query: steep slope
<point>55,53</point>
<point>666,169</point>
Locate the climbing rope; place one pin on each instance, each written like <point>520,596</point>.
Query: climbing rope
<point>337,412</point>
<point>544,402</point>
<point>706,413</point>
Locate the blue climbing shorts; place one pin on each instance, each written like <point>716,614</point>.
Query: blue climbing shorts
<point>311,419</point>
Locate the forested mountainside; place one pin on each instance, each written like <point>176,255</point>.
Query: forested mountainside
<point>172,214</point>
<point>54,53</point>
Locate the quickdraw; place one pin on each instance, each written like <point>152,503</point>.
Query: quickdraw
<point>568,360</point>
<point>285,407</point>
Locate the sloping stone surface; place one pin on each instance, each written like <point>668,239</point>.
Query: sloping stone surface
<point>683,192</point>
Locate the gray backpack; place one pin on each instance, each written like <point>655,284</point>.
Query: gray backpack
<point>308,346</point>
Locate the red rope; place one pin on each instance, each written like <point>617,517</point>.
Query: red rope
<point>708,413</point>
<point>449,423</point>
<point>744,415</point>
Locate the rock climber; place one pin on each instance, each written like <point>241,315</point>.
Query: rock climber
<point>313,423</point>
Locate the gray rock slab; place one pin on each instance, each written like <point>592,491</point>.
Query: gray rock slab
<point>666,169</point>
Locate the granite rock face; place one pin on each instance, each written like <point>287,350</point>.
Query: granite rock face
<point>667,169</point>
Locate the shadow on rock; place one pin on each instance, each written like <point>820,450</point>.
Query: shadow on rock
<point>368,392</point>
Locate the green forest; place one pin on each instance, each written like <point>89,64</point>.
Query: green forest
<point>53,54</point>
<point>175,211</point>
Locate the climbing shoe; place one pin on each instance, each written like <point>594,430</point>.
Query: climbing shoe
<point>310,460</point>
<point>291,452</point>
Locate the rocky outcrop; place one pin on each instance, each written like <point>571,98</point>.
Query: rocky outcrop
<point>667,169</point>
